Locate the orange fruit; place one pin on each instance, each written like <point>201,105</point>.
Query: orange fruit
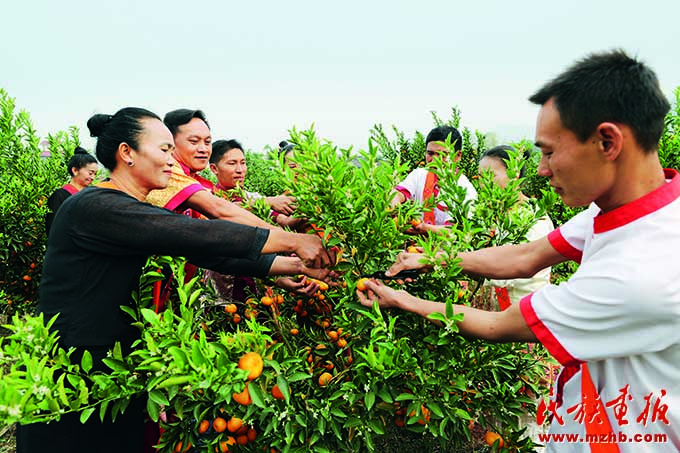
<point>415,222</point>
<point>27,278</point>
<point>252,363</point>
<point>342,343</point>
<point>243,397</point>
<point>276,392</point>
<point>278,299</point>
<point>203,427</point>
<point>333,335</point>
<point>178,447</point>
<point>325,378</point>
<point>230,308</point>
<point>426,415</point>
<point>399,421</point>
<point>490,437</point>
<point>224,445</point>
<point>219,424</point>
<point>252,434</point>
<point>361,284</point>
<point>294,331</point>
<point>234,424</point>
<point>266,300</point>
<point>237,318</point>
<point>242,440</point>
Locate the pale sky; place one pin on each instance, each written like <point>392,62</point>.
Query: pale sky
<point>259,68</point>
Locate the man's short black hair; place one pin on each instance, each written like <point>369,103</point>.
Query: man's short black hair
<point>442,133</point>
<point>176,118</point>
<point>220,148</point>
<point>609,86</point>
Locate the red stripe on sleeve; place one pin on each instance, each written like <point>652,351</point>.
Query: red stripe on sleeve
<point>560,244</point>
<point>182,196</point>
<point>544,335</point>
<point>404,191</point>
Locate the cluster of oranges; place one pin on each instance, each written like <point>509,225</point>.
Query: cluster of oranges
<point>230,430</point>
<point>251,306</point>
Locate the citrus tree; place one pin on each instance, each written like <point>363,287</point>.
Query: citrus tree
<point>322,373</point>
<point>27,178</point>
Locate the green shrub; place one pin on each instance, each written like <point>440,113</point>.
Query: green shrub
<point>27,180</point>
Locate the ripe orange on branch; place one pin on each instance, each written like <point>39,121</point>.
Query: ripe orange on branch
<point>491,437</point>
<point>203,427</point>
<point>276,392</point>
<point>252,363</point>
<point>219,424</point>
<point>324,379</point>
<point>266,300</point>
<point>243,398</point>
<point>234,424</point>
<point>224,445</point>
<point>361,284</point>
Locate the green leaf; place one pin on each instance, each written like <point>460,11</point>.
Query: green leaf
<point>102,409</point>
<point>174,380</point>
<point>369,400</point>
<point>299,376</point>
<point>115,365</point>
<point>158,397</point>
<point>352,422</point>
<point>376,425</point>
<point>257,395</point>
<point>86,361</point>
<point>153,409</point>
<point>338,412</point>
<point>436,410</point>
<point>130,311</point>
<point>117,352</point>
<point>283,387</point>
<point>385,395</point>
<point>85,415</point>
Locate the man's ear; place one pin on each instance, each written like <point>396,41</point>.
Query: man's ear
<point>610,137</point>
<point>213,168</point>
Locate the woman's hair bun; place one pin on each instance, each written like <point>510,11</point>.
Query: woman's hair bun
<point>80,150</point>
<point>97,123</point>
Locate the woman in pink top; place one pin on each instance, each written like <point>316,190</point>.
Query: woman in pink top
<point>83,168</point>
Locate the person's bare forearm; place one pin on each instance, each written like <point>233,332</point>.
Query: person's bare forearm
<point>286,265</point>
<point>511,261</point>
<point>397,198</point>
<point>218,208</point>
<point>502,326</point>
<point>280,241</point>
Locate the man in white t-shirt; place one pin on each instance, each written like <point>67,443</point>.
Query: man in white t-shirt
<point>421,185</point>
<point>615,324</point>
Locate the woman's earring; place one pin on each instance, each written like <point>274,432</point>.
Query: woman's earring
<point>130,163</point>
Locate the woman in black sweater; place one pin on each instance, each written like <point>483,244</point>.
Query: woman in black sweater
<point>96,251</point>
